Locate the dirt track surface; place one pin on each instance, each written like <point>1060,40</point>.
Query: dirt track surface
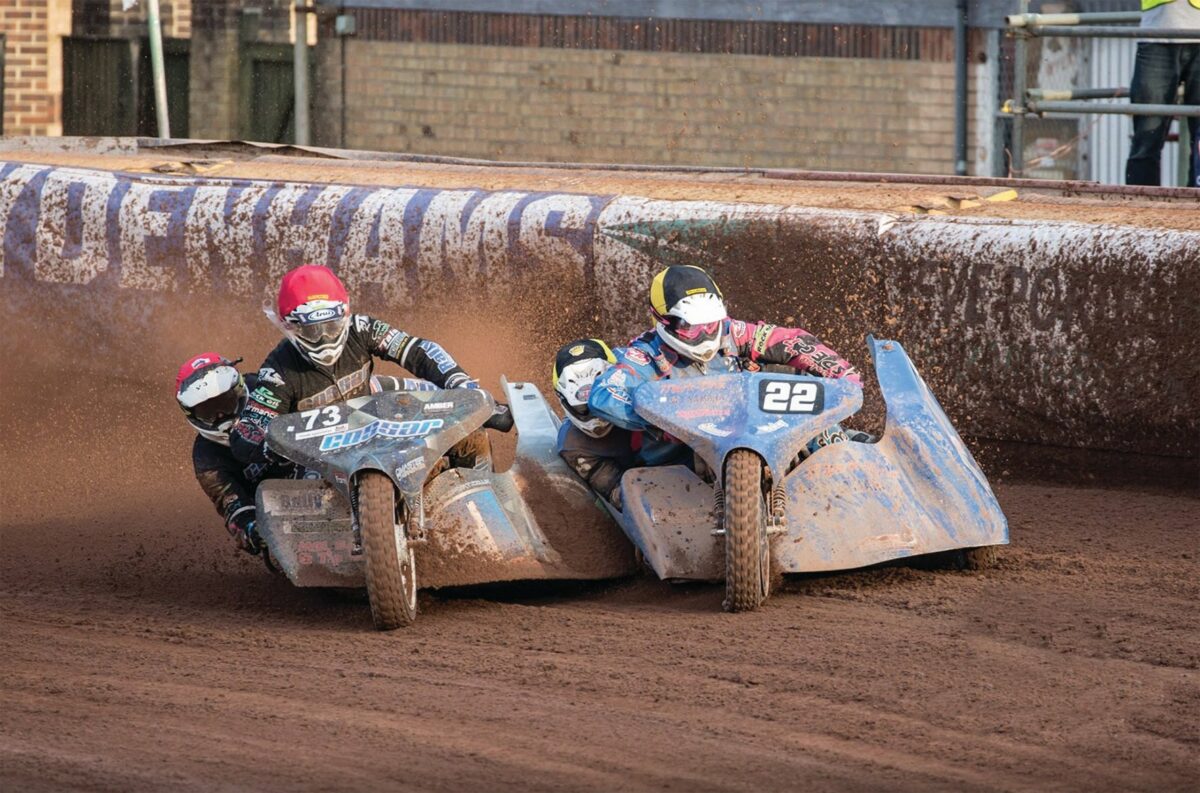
<point>138,651</point>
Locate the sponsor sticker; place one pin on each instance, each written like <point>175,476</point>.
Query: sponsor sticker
<point>767,429</point>
<point>386,429</point>
<point>410,467</point>
<point>634,355</point>
<point>437,407</point>
<point>320,432</point>
<point>269,375</point>
<point>438,355</point>
<point>712,429</point>
<point>264,397</point>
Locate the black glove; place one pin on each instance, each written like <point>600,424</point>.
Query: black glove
<point>501,419</point>
<point>248,539</point>
<point>274,458</point>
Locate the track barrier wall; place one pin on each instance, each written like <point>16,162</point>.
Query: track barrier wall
<point>1061,333</point>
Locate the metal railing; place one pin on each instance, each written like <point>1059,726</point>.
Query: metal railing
<point>1036,101</point>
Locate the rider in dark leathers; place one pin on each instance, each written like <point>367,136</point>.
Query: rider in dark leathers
<point>212,393</point>
<point>328,356</point>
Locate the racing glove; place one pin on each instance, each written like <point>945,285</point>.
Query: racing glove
<point>273,457</point>
<point>241,525</point>
<point>501,419</point>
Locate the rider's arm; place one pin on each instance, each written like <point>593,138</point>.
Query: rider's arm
<point>266,400</point>
<point>223,482</point>
<point>762,342</point>
<point>612,395</point>
<point>425,358</point>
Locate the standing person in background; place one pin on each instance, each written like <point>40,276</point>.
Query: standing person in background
<point>1161,66</point>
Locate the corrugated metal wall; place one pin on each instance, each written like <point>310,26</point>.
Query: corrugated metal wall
<point>1111,66</point>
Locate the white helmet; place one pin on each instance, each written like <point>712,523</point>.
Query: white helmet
<point>690,311</point>
<point>576,367</point>
<point>212,394</point>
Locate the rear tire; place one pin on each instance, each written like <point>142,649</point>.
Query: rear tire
<point>747,551</point>
<point>391,572</point>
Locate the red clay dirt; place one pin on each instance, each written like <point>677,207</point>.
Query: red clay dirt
<point>139,651</point>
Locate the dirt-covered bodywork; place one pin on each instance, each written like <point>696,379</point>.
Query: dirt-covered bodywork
<point>468,526</point>
<point>916,490</point>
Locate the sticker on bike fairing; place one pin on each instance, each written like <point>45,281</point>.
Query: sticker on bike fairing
<point>410,467</point>
<point>386,429</point>
<point>438,407</point>
<point>319,432</point>
<point>712,429</point>
<point>790,396</point>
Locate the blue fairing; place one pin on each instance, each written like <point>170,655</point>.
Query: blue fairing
<point>917,490</point>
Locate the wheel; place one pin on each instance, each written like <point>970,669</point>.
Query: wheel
<point>391,572</point>
<point>747,552</point>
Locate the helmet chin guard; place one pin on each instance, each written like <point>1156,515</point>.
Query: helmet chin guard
<point>702,350</point>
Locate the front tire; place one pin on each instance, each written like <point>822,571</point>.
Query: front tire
<point>391,572</point>
<point>747,551</point>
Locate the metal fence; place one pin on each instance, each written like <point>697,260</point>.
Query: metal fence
<point>1103,46</point>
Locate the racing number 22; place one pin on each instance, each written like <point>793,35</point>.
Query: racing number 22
<point>779,396</point>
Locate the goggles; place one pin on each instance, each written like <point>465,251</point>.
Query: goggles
<point>318,325</point>
<point>691,332</point>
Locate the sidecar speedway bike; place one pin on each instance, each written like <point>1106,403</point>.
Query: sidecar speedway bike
<point>388,504</point>
<point>916,490</point>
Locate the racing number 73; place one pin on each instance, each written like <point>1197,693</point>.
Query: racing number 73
<point>333,414</point>
<point>789,396</point>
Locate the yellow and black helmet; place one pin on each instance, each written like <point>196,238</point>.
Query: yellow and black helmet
<point>576,367</point>
<point>690,310</point>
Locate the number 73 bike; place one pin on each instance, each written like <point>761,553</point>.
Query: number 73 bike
<point>392,500</point>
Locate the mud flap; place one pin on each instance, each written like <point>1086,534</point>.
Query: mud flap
<point>669,514</point>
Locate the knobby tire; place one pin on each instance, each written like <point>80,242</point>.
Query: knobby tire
<point>747,554</point>
<point>391,580</point>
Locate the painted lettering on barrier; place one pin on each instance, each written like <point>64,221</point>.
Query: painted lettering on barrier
<point>171,233</point>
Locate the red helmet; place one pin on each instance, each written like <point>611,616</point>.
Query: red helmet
<point>314,310</point>
<point>211,393</point>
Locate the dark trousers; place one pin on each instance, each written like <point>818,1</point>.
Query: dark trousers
<point>1159,70</point>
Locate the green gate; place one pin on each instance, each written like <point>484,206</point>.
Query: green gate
<point>268,93</point>
<point>108,88</point>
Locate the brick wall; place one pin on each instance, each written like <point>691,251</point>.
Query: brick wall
<point>218,29</point>
<point>176,16</point>
<point>33,64</point>
<point>604,105</point>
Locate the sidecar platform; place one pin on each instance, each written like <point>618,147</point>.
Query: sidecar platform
<point>916,491</point>
<point>535,521</point>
